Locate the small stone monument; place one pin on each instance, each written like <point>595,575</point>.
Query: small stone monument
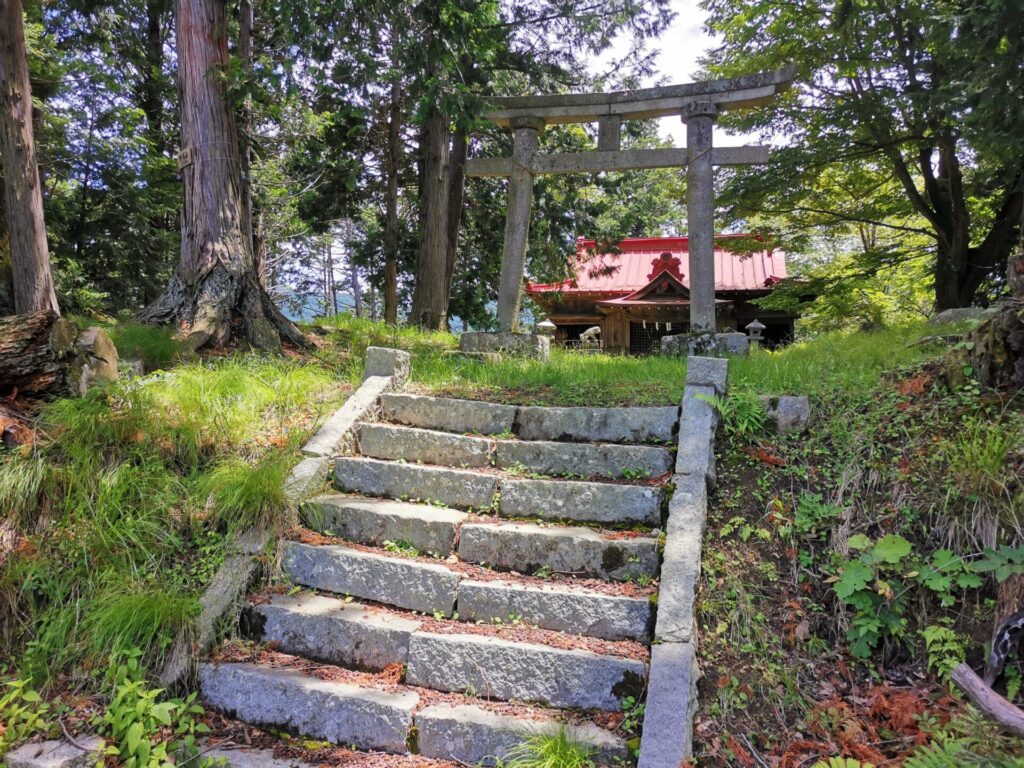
<point>509,343</point>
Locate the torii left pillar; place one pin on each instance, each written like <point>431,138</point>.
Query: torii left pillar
<point>517,221</point>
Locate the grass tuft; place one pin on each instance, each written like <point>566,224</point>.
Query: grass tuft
<point>249,495</point>
<point>126,615</point>
<point>154,345</point>
<point>549,750</point>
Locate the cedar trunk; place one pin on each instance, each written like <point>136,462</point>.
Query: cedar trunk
<point>429,293</point>
<point>30,258</point>
<point>456,194</point>
<point>215,293</point>
<point>391,165</point>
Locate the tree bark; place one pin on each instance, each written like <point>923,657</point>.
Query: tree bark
<point>30,258</point>
<point>245,31</point>
<point>991,704</point>
<point>456,194</point>
<point>429,292</point>
<point>215,293</point>
<point>392,162</point>
<point>45,354</point>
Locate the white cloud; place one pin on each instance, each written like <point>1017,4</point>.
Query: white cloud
<point>678,51</point>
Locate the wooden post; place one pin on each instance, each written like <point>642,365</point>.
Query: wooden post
<point>699,117</point>
<point>517,220</point>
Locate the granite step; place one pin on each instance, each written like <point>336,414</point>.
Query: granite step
<point>367,718</point>
<point>528,548</point>
<point>608,460</point>
<point>375,521</point>
<point>448,414</point>
<point>372,719</point>
<point>576,611</point>
<point>573,610</point>
<point>607,503</point>
<point>398,581</point>
<point>597,425</point>
<point>450,487</point>
<point>386,441</point>
<point>327,629</point>
<point>473,735</point>
<point>495,668</point>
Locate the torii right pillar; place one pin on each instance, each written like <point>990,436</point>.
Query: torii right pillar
<point>699,117</point>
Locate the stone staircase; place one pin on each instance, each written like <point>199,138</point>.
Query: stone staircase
<point>503,559</point>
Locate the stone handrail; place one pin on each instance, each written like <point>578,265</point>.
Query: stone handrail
<point>672,681</point>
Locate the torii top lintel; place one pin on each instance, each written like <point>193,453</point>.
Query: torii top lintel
<point>732,93</point>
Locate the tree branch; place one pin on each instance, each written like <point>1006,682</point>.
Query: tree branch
<point>991,704</point>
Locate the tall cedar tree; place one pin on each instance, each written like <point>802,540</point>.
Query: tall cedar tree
<point>30,258</point>
<point>216,288</point>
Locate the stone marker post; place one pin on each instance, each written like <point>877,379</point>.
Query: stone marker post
<point>699,117</point>
<point>517,221</point>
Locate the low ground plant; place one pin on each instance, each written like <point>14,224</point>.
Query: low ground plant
<point>549,750</point>
<point>848,569</point>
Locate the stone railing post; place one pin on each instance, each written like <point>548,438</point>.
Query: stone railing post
<point>517,220</point>
<point>699,117</point>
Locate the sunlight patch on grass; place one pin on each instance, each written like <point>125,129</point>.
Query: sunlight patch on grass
<point>568,378</point>
<point>832,363</point>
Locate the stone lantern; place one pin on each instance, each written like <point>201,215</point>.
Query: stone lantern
<point>546,328</point>
<point>755,330</point>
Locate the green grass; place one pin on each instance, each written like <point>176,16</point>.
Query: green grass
<point>155,346</point>
<point>568,378</point>
<point>549,750</point>
<point>832,363</point>
<point>127,496</point>
<point>826,365</point>
<point>248,495</point>
<point>347,338</point>
<point>126,615</point>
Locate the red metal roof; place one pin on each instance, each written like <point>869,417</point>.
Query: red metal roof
<point>622,273</point>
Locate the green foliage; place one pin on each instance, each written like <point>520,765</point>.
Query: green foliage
<point>155,346</point>
<point>812,516</point>
<point>833,364</point>
<point>743,414</point>
<point>842,762</point>
<point>568,378</point>
<point>403,548</point>
<point>632,723</point>
<point>549,750</point>
<point>1002,563</point>
<point>21,483</point>
<point>967,740</point>
<point>24,714</point>
<point>876,584</point>
<point>911,99</point>
<point>126,616</point>
<point>977,455</point>
<point>140,482</point>
<point>145,731</point>
<point>249,495</point>
<point>946,648</point>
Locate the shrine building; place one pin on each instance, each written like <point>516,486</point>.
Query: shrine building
<point>641,293</point>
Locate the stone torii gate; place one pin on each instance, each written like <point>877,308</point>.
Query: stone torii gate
<point>698,104</point>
